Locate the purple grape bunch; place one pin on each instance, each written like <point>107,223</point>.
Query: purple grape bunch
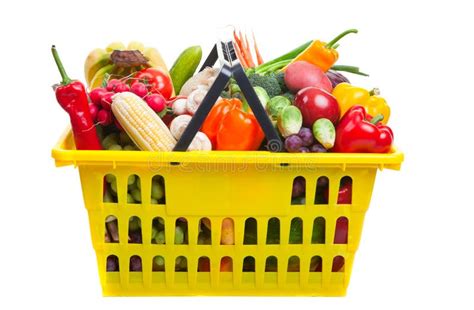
<point>303,142</point>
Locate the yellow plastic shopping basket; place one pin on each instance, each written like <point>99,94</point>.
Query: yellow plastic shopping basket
<point>216,186</point>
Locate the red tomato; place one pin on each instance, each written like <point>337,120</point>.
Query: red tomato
<point>157,81</point>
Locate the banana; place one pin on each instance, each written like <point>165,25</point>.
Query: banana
<point>155,59</point>
<point>100,75</point>
<point>98,63</point>
<point>115,46</point>
<point>96,59</point>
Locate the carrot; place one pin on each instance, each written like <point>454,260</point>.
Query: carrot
<point>237,40</point>
<point>248,52</point>
<point>239,50</point>
<point>240,56</point>
<point>257,52</point>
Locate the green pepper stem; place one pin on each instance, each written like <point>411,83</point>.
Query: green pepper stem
<point>66,80</point>
<point>350,69</point>
<point>335,46</point>
<point>377,118</point>
<point>288,56</point>
<point>375,92</point>
<point>342,35</point>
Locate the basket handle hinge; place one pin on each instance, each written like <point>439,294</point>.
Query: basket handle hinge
<point>230,67</point>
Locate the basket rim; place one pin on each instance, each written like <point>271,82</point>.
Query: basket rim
<point>65,154</point>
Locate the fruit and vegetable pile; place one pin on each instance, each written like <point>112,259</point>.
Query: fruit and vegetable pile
<point>132,102</point>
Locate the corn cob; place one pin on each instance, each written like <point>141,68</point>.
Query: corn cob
<point>141,123</point>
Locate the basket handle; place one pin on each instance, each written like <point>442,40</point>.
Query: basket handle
<point>230,67</point>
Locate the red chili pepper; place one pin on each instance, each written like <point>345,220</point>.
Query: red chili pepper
<point>72,97</point>
<point>355,134</point>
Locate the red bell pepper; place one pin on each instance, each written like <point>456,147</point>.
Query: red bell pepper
<point>72,97</point>
<point>230,128</point>
<point>357,133</point>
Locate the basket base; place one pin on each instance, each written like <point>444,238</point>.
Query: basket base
<point>225,286</point>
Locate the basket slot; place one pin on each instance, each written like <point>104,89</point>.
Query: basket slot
<point>318,235</point>
<point>292,271</point>
<point>134,230</point>
<point>250,231</point>
<point>181,231</point>
<point>322,191</point>
<point>204,264</point>
<point>338,264</point>
<point>158,264</point>
<point>298,194</point>
<point>158,190</point>
<point>316,264</point>
<point>226,264</point>
<point>293,264</point>
<point>181,264</point>
<point>205,229</point>
<point>296,231</point>
<point>271,264</point>
<point>111,229</point>
<point>135,264</point>
<point>345,191</point>
<point>227,231</point>
<point>109,189</point>
<point>342,230</point>
<point>271,272</point>
<point>158,231</point>
<point>273,232</point>
<point>112,263</point>
<point>134,193</point>
<point>248,264</point>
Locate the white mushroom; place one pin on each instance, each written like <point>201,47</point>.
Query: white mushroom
<point>179,124</point>
<point>179,106</point>
<point>205,78</point>
<point>200,142</point>
<point>195,98</point>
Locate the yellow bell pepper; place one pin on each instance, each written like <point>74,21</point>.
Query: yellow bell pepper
<point>348,96</point>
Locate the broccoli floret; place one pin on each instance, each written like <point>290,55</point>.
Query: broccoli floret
<point>267,82</point>
<point>280,77</point>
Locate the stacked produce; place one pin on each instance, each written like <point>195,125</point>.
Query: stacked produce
<point>134,103</point>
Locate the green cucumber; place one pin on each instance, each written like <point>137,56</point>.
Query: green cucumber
<point>185,66</point>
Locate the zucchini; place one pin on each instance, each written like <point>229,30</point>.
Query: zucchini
<point>185,66</point>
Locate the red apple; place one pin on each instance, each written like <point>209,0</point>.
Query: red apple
<point>315,103</point>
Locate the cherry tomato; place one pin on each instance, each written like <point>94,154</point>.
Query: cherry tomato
<point>157,81</point>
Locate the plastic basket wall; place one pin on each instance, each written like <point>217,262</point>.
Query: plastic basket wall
<point>219,185</point>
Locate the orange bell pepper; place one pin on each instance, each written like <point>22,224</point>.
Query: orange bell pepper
<point>321,54</point>
<point>232,129</point>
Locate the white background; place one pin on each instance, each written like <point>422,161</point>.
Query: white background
<point>416,248</point>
